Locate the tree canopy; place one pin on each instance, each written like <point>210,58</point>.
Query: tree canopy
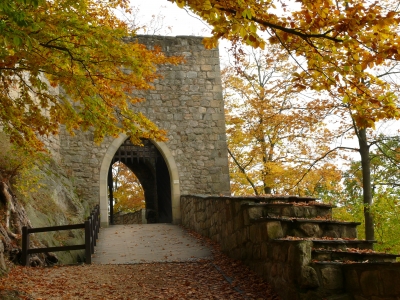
<point>65,62</point>
<point>68,63</point>
<point>128,192</point>
<point>274,132</point>
<point>350,48</point>
<point>344,43</point>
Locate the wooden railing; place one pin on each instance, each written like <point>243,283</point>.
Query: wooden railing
<point>91,226</point>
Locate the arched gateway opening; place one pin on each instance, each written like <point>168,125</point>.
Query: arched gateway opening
<point>147,163</point>
<point>155,168</point>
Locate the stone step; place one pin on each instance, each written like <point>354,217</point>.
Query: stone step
<point>342,244</point>
<point>310,228</point>
<point>373,280</point>
<point>351,255</point>
<point>338,244</point>
<point>288,209</point>
<point>284,199</point>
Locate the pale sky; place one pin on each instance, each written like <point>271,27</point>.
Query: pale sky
<point>174,22</point>
<point>178,19</point>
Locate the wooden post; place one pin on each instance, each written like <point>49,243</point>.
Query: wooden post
<point>91,235</point>
<point>25,246</point>
<point>88,252</point>
<point>110,191</point>
<point>97,223</point>
<point>93,228</point>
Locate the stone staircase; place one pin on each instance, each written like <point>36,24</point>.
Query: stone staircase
<point>326,249</point>
<point>294,243</point>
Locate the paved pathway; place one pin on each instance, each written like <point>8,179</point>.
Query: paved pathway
<point>130,244</point>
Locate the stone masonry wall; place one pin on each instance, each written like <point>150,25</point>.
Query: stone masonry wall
<point>375,282</point>
<point>286,264</point>
<point>224,220</point>
<point>136,217</point>
<point>188,104</point>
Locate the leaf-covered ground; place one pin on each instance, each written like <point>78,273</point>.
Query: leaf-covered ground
<point>219,278</point>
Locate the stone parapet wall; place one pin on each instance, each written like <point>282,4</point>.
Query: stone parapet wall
<point>137,217</point>
<point>226,220</point>
<point>378,281</point>
<point>286,264</point>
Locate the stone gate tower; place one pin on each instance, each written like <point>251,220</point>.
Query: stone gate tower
<point>187,103</point>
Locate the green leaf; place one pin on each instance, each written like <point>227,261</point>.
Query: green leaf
<point>17,41</point>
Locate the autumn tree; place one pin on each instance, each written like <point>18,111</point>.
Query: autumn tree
<point>128,192</point>
<point>385,189</point>
<point>344,43</point>
<point>344,120</point>
<point>273,134</point>
<point>70,63</point>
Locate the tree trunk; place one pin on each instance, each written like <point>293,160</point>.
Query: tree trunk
<point>10,230</point>
<point>243,171</point>
<point>266,171</point>
<point>267,189</point>
<point>367,187</point>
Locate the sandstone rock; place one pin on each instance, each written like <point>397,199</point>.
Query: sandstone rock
<point>311,230</point>
<point>274,230</point>
<point>2,261</point>
<point>332,278</point>
<point>309,278</point>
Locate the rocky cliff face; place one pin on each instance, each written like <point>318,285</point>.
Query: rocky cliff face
<point>49,200</point>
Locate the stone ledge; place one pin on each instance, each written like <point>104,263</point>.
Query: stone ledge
<point>353,256</point>
<point>288,204</point>
<point>297,220</point>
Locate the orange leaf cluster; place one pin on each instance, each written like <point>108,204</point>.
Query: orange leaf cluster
<point>72,63</point>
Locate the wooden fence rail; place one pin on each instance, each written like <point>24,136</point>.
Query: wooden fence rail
<point>91,226</point>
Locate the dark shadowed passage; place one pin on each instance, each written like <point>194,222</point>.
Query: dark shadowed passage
<point>147,163</point>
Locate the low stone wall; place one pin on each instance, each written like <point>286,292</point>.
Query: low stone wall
<point>226,221</point>
<point>136,217</point>
<point>373,282</point>
<point>286,264</point>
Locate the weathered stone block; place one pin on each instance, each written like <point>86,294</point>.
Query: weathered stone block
<point>332,278</point>
<point>253,233</point>
<point>274,230</point>
<point>308,278</point>
<point>311,229</point>
<point>369,283</point>
<point>191,74</point>
<point>390,282</point>
<point>302,253</point>
<point>255,212</point>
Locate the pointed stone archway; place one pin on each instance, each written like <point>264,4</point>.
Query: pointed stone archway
<point>147,163</point>
<point>173,178</point>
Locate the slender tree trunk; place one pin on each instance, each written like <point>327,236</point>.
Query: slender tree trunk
<point>267,190</point>
<point>243,171</point>
<point>266,158</point>
<point>367,187</point>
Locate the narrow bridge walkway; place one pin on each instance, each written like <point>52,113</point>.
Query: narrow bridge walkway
<point>132,244</point>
